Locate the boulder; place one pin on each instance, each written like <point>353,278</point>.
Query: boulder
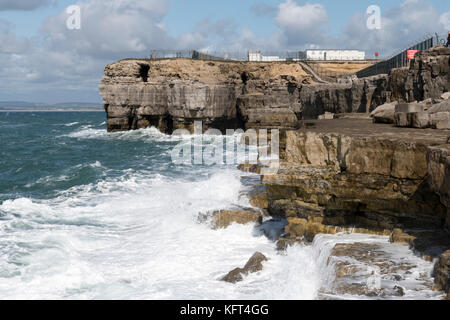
<point>444,106</point>
<point>254,264</point>
<point>445,96</point>
<point>224,218</point>
<point>428,103</point>
<point>420,119</point>
<point>384,113</point>
<point>259,200</point>
<point>443,125</point>
<point>439,120</point>
<point>401,119</point>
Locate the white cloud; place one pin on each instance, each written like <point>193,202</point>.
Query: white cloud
<point>401,26</point>
<point>9,43</point>
<point>62,64</point>
<point>302,23</point>
<point>444,20</point>
<point>72,61</point>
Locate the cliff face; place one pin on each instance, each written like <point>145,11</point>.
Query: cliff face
<point>172,94</point>
<point>355,173</point>
<point>427,77</point>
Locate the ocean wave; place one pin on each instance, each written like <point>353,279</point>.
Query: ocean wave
<point>71,124</point>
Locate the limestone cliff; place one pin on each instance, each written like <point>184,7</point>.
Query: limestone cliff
<point>352,173</point>
<point>428,76</point>
<point>172,94</point>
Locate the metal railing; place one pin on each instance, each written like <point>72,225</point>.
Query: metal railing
<point>399,59</point>
<point>222,55</point>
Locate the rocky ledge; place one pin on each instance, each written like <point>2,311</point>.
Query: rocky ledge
<point>357,176</point>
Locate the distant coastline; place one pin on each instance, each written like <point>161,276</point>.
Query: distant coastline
<point>52,110</point>
<point>24,106</point>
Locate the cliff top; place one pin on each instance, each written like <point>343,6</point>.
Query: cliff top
<point>205,71</point>
<point>366,128</point>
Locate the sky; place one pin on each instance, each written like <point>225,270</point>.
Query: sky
<point>42,60</point>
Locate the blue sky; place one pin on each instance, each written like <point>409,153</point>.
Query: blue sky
<point>41,60</point>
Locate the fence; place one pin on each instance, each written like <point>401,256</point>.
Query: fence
<point>223,55</point>
<point>399,60</point>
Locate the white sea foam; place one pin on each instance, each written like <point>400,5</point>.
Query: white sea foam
<point>71,124</point>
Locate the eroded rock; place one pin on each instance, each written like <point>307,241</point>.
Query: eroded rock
<point>442,273</point>
<point>225,218</point>
<point>384,113</point>
<point>254,264</point>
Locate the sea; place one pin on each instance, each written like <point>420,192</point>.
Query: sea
<point>86,214</point>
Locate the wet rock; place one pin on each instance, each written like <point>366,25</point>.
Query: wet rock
<point>284,243</point>
<point>259,200</point>
<point>373,270</point>
<point>253,265</point>
<point>442,273</point>
<point>420,120</point>
<point>399,291</point>
<point>234,276</point>
<point>224,218</point>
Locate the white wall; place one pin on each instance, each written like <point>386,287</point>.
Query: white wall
<point>345,55</point>
<point>257,56</point>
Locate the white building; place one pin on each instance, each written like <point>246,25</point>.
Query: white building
<point>257,56</point>
<point>334,54</point>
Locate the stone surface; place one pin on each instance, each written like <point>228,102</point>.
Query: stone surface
<point>326,116</point>
<point>438,162</point>
<point>384,113</point>
<point>428,76</point>
<point>443,106</point>
<point>401,119</point>
<point>443,124</point>
<point>420,120</point>
<point>224,218</point>
<point>352,173</point>
<point>253,265</point>
<point>442,273</point>
<point>365,269</point>
<point>445,96</point>
<point>439,119</point>
<point>172,94</point>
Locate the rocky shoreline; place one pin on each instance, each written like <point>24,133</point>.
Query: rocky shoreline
<point>350,175</point>
<point>346,174</point>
